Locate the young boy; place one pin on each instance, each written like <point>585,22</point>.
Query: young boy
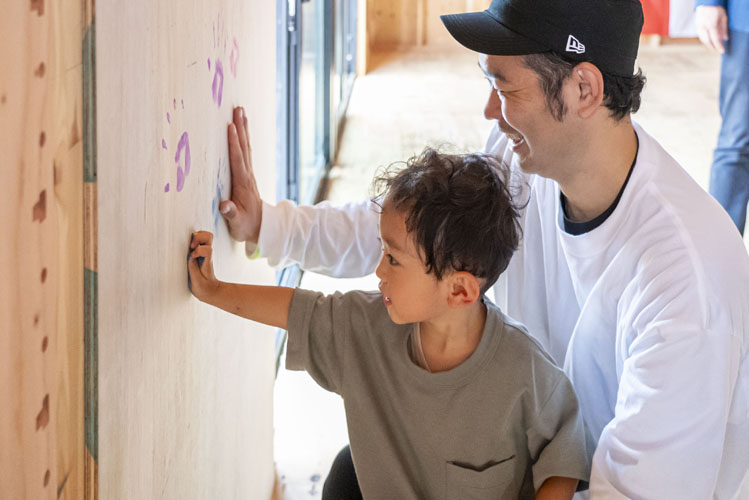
<point>445,397</point>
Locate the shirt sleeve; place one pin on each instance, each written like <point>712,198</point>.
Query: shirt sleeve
<point>557,440</point>
<point>667,436</point>
<point>712,3</point>
<point>339,241</point>
<point>317,329</point>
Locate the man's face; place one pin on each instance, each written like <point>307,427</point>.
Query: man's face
<point>410,294</point>
<point>516,100</point>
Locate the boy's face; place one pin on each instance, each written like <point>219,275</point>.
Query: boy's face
<point>410,294</point>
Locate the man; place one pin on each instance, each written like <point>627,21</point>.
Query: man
<point>630,275</point>
<point>719,22</point>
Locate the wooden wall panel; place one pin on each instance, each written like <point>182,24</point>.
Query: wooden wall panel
<point>396,25</point>
<point>184,390</point>
<point>436,34</point>
<point>41,355</point>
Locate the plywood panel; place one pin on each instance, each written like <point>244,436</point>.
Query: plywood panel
<point>41,424</point>
<point>184,390</point>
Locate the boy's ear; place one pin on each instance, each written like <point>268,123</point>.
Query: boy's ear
<point>589,86</point>
<point>464,289</point>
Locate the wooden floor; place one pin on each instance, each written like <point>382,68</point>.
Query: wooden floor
<point>436,97</point>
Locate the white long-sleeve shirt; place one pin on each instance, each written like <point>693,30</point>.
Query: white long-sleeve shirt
<point>648,314</point>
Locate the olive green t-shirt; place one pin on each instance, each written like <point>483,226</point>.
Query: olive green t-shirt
<point>494,427</point>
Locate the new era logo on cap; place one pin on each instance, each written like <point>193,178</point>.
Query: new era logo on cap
<point>574,45</point>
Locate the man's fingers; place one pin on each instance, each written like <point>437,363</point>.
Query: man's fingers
<point>236,158</point>
<point>244,139</point>
<point>246,129</point>
<point>228,209</point>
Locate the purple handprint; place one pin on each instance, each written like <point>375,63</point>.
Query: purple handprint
<point>218,82</point>
<point>184,145</point>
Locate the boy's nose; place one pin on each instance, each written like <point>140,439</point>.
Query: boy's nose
<point>379,271</point>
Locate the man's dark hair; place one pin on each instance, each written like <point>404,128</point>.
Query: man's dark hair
<point>621,94</point>
<point>458,209</point>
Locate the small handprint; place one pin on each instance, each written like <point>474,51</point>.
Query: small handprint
<point>182,156</point>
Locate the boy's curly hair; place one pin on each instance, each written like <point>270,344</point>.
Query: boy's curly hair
<point>458,209</point>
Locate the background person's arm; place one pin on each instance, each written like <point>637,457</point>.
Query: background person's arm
<point>711,21</point>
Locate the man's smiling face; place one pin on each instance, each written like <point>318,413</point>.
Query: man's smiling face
<point>516,100</point>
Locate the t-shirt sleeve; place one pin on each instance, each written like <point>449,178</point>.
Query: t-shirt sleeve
<point>557,439</point>
<point>317,335</point>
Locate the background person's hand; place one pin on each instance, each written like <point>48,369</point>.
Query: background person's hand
<point>712,26</point>
<point>244,210</point>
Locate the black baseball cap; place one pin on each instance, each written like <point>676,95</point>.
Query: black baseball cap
<point>603,32</point>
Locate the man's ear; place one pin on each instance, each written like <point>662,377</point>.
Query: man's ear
<point>464,289</point>
<point>588,84</point>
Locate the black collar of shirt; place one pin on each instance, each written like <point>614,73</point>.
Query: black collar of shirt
<point>578,228</point>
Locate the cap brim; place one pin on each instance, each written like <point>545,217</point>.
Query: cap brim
<point>480,32</point>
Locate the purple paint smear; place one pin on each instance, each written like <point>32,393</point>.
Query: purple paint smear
<point>166,188</point>
<point>163,143</point>
<point>180,179</point>
<point>168,118</point>
<point>183,103</point>
<point>184,143</point>
<point>234,58</point>
<point>209,64</point>
<point>218,86</point>
<point>174,103</point>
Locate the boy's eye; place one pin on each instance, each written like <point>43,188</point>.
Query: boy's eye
<point>391,260</point>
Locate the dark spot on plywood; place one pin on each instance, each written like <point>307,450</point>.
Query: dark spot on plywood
<point>3,98</point>
<point>39,72</point>
<point>56,174</point>
<point>75,136</point>
<point>47,475</point>
<point>44,274</point>
<point>42,139</point>
<point>45,343</point>
<point>40,209</point>
<point>36,319</point>
<point>62,485</point>
<point>38,6</point>
<point>42,419</point>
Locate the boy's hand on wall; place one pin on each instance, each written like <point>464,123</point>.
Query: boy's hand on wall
<point>243,213</point>
<point>202,282</point>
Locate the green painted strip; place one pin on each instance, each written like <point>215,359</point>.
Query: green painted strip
<point>89,104</point>
<point>91,361</point>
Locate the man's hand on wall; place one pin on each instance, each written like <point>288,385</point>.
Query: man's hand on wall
<point>243,211</point>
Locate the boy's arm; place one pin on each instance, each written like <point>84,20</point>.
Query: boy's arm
<point>557,488</point>
<point>264,304</point>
